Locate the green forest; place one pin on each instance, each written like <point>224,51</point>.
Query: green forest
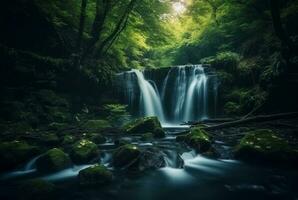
<point>149,99</point>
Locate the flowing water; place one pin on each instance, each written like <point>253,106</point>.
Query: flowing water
<point>199,178</point>
<point>184,93</point>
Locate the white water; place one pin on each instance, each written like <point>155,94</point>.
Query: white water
<point>150,99</point>
<point>181,96</point>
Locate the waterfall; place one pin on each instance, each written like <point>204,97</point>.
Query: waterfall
<point>178,95</point>
<point>150,99</point>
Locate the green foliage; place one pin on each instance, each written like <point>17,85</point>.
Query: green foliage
<point>224,60</point>
<point>117,114</point>
<point>242,100</point>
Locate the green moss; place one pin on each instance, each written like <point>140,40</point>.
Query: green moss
<point>197,139</point>
<point>14,153</point>
<point>227,61</point>
<point>117,113</point>
<point>125,155</point>
<point>68,139</point>
<point>96,125</point>
<point>53,160</point>
<point>36,189</point>
<point>145,125</point>
<point>84,151</point>
<point>232,108</point>
<point>264,145</point>
<point>96,175</point>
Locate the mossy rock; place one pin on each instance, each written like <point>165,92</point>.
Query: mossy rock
<point>197,139</point>
<point>126,156</point>
<point>145,125</point>
<point>96,125</point>
<point>15,153</point>
<point>264,145</point>
<point>37,189</point>
<point>84,151</point>
<point>68,139</point>
<point>53,160</point>
<point>96,175</point>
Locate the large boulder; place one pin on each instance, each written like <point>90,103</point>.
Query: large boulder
<point>152,158</point>
<point>264,145</point>
<point>96,175</point>
<point>15,153</point>
<point>53,160</point>
<point>126,156</point>
<point>36,189</point>
<point>84,151</point>
<point>197,139</point>
<point>145,125</point>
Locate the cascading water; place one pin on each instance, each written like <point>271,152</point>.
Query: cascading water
<point>179,95</point>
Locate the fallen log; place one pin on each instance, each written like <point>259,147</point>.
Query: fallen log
<point>216,120</point>
<point>259,118</point>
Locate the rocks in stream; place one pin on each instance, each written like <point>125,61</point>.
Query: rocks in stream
<point>197,139</point>
<point>15,153</point>
<point>84,151</point>
<point>53,160</point>
<point>126,156</point>
<point>145,125</point>
<point>96,175</point>
<point>264,145</point>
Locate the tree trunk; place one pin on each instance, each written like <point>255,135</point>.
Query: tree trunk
<point>80,33</point>
<point>260,118</point>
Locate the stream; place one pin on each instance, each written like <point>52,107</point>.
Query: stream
<point>199,178</point>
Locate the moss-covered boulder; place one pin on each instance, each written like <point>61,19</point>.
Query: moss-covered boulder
<point>36,189</point>
<point>15,153</point>
<point>68,139</point>
<point>84,151</point>
<point>145,125</point>
<point>53,160</point>
<point>197,139</point>
<point>126,156</point>
<point>96,175</point>
<point>264,145</point>
<point>96,125</point>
